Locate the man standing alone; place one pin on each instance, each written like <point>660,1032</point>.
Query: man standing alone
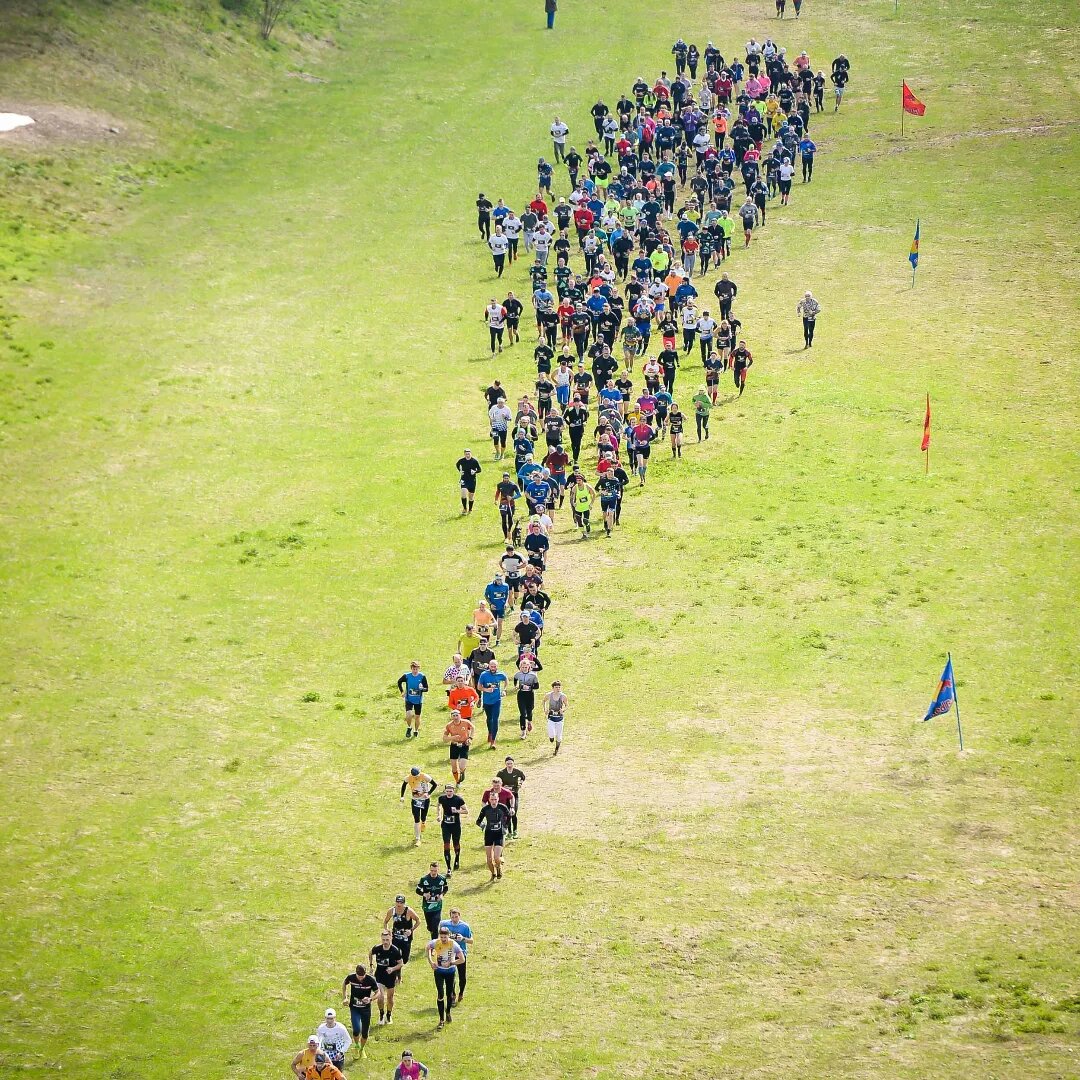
<point>551,6</point>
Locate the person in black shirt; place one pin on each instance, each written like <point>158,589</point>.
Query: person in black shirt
<point>506,492</point>
<point>387,962</point>
<point>494,819</point>
<point>513,307</point>
<point>573,162</point>
<point>468,469</point>
<point>599,111</point>
<point>432,887</point>
<point>543,354</point>
<point>494,394</point>
<point>725,291</point>
<point>582,383</point>
<point>358,990</point>
<point>483,216</point>
<point>450,811</point>
<point>577,416</point>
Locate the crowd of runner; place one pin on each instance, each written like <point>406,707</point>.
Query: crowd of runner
<point>651,205</point>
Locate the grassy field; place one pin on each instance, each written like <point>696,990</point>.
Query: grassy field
<point>227,428</point>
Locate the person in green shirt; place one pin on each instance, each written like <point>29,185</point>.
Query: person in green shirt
<point>582,497</point>
<point>726,227</point>
<point>702,408</point>
<point>660,262</point>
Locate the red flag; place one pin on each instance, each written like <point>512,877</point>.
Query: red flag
<point>926,426</point>
<point>911,103</point>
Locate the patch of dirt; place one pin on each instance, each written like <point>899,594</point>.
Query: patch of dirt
<point>61,125</point>
<point>1036,129</point>
<point>304,76</point>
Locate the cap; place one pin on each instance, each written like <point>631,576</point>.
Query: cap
<point>330,1014</point>
<point>414,771</point>
<point>313,1039</point>
<point>400,898</point>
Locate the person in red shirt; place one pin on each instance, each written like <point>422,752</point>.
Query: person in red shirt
<point>689,255</point>
<point>556,463</point>
<point>641,437</point>
<point>583,219</point>
<point>504,794</point>
<point>566,313</point>
<point>538,206</point>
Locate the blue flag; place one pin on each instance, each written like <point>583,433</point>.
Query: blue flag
<point>946,695</point>
<point>913,257</point>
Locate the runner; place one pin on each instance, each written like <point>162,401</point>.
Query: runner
<point>358,991</point>
<point>497,594</point>
<point>401,921</point>
<point>506,493</point>
<point>468,469</point>
<point>499,245</point>
<point>463,935</point>
<point>809,309</point>
<point>420,786</point>
<point>410,1068</point>
<point>609,490</point>
<point>444,955</point>
<point>491,684</point>
<point>526,683</point>
<point>459,732</point>
<point>499,416</point>
<point>431,889</point>
<point>512,779</point>
<point>483,216</point>
<point>675,426</point>
<point>321,1068</point>
<point>386,961</point>
<point>582,496</point>
<point>513,565</point>
<point>555,703</point>
<point>305,1059</point>
<point>413,685</point>
<point>513,307</point>
<point>702,407</point>
<point>741,359</point>
<point>450,811</point>
<point>641,437</point>
<point>494,819</point>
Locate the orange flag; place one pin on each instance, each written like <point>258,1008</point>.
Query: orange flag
<point>926,426</point>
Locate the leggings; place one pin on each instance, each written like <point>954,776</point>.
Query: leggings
<point>491,713</point>
<point>688,339</point>
<point>669,381</point>
<point>461,976</point>
<point>444,986</point>
<point>808,331</point>
<point>702,425</point>
<point>361,1020</point>
<point>526,700</point>
<point>500,261</point>
<point>807,166</point>
<point>496,334</point>
<point>575,441</point>
<point>706,346</point>
<point>483,223</point>
<point>507,515</point>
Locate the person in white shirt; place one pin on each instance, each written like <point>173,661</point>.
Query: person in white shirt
<point>500,417</point>
<point>689,325</point>
<point>706,327</point>
<point>559,131</point>
<point>495,317</point>
<point>785,172</point>
<point>499,247</point>
<point>611,132</point>
<point>334,1039</point>
<point>511,228</point>
<point>542,244</point>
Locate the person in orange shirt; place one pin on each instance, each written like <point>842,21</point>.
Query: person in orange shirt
<point>321,1069</point>
<point>482,617</point>
<point>459,731</point>
<point>719,126</point>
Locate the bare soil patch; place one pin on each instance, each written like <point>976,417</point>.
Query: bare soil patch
<point>62,125</point>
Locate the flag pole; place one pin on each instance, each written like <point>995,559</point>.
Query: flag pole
<point>956,697</point>
<point>902,115</point>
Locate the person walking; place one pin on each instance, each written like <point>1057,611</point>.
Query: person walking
<point>809,309</point>
<point>550,6</point>
<point>702,407</point>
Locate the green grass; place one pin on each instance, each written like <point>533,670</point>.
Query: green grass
<point>230,521</point>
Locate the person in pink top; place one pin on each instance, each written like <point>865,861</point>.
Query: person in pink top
<point>410,1068</point>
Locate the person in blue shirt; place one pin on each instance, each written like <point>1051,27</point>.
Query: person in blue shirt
<point>663,406</point>
<point>523,447</point>
<point>491,683</point>
<point>807,149</point>
<point>686,227</point>
<point>497,594</point>
<point>543,175</point>
<point>641,266</point>
<point>528,467</point>
<point>500,211</point>
<point>413,685</point>
<point>684,292</point>
<point>537,493</point>
<point>610,396</point>
<point>463,935</point>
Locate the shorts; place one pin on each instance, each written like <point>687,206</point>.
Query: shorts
<point>415,707</point>
<point>643,451</point>
<point>387,982</point>
<point>515,581</point>
<point>609,502</point>
<point>459,751</point>
<point>468,485</point>
<point>554,727</point>
<point>420,810</point>
<point>512,321</point>
<point>499,613</point>
<point>494,837</point>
